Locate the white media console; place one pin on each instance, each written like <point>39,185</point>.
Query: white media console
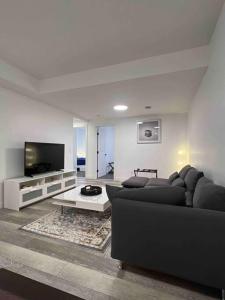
<point>23,191</point>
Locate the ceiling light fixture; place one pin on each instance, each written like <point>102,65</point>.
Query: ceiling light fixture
<point>120,107</point>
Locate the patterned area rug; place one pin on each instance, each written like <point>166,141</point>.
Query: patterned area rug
<point>83,227</point>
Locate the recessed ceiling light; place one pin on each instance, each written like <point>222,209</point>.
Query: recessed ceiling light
<point>148,107</point>
<point>120,107</point>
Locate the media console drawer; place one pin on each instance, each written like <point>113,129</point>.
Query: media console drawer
<point>70,182</point>
<point>54,188</point>
<point>32,195</point>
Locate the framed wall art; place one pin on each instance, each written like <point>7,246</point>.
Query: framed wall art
<point>149,132</point>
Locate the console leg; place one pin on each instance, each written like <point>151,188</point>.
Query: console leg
<point>223,294</point>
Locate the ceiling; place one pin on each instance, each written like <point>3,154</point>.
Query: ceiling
<point>47,38</point>
<point>167,93</point>
<point>46,44</point>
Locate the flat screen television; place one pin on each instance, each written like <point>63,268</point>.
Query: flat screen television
<point>43,157</point>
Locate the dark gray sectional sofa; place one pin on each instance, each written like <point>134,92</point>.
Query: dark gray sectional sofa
<point>172,229</point>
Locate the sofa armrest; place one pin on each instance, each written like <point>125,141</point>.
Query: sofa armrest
<point>185,242</point>
<point>161,195</point>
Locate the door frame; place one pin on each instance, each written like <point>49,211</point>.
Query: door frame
<point>97,151</point>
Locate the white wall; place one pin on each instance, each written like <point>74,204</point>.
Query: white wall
<point>23,119</point>
<point>207,115</point>
<point>129,155</point>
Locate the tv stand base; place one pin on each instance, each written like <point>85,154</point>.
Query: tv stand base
<point>23,191</point>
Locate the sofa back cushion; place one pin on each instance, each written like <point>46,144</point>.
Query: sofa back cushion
<point>190,181</point>
<point>184,171</point>
<point>192,178</point>
<point>198,189</point>
<point>173,176</point>
<point>210,196</point>
<point>178,182</point>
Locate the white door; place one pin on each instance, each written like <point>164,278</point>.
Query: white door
<point>105,152</point>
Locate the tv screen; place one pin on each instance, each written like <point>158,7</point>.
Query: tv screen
<point>43,157</point>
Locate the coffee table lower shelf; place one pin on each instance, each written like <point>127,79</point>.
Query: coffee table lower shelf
<point>63,204</point>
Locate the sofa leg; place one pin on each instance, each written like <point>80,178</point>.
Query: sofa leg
<point>223,294</point>
<point>120,265</point>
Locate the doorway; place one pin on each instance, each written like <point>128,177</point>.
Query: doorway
<point>105,152</point>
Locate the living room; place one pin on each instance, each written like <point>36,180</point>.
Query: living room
<point>153,72</point>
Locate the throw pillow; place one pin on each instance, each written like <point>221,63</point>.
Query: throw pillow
<point>135,182</point>
<point>178,182</point>
<point>173,177</point>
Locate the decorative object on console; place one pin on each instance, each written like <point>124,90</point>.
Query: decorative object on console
<point>91,190</point>
<point>149,132</point>
<point>155,171</point>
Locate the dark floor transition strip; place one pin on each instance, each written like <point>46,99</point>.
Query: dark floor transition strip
<point>17,287</point>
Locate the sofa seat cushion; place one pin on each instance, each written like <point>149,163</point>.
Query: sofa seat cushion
<point>210,196</point>
<point>135,182</point>
<point>173,176</point>
<point>161,195</point>
<point>184,170</point>
<point>157,182</point>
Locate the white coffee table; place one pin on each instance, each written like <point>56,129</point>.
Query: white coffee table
<point>73,198</point>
